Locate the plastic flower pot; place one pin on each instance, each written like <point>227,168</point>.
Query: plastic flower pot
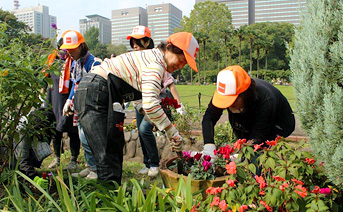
<point>171,179</point>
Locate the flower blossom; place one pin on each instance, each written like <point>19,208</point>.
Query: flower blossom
<point>238,144</point>
<point>231,183</point>
<point>242,208</point>
<point>187,154</point>
<point>300,190</point>
<point>214,190</point>
<point>197,156</point>
<point>225,151</point>
<point>261,181</point>
<point>207,157</point>
<point>206,165</point>
<point>53,25</point>
<point>283,186</point>
<point>265,205</point>
<point>231,168</point>
<point>223,205</point>
<point>278,178</point>
<point>257,147</point>
<point>310,161</point>
<point>271,143</point>
<point>316,190</point>
<point>215,201</point>
<point>298,181</point>
<point>326,191</point>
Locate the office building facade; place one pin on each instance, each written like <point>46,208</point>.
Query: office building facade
<point>38,20</point>
<point>99,22</point>
<point>246,12</point>
<point>162,21</point>
<point>124,20</point>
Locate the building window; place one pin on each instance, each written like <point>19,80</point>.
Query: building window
<point>158,9</point>
<point>124,12</point>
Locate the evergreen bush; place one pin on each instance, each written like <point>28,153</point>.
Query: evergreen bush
<point>317,75</point>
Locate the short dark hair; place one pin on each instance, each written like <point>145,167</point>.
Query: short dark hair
<point>139,43</point>
<point>84,49</point>
<point>164,46</point>
<point>250,95</point>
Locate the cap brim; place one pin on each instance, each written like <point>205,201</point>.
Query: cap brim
<point>64,46</point>
<point>135,36</point>
<point>222,101</point>
<point>191,62</point>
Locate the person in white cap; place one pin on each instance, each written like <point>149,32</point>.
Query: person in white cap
<point>140,39</point>
<point>83,61</point>
<point>257,110</point>
<point>131,76</point>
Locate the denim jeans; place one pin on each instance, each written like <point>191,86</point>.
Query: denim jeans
<point>148,141</point>
<point>87,150</point>
<point>102,126</point>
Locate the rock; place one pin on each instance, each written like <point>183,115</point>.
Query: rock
<point>131,149</point>
<point>127,136</point>
<point>134,134</point>
<point>161,142</point>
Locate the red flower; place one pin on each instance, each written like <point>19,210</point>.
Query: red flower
<point>231,168</point>
<point>283,186</point>
<point>262,193</point>
<point>226,151</point>
<point>223,205</point>
<point>261,181</point>
<point>278,178</point>
<point>326,191</point>
<point>197,156</point>
<point>310,161</point>
<point>238,144</point>
<point>316,190</point>
<point>300,190</point>
<point>242,208</point>
<point>298,181</point>
<point>257,147</point>
<point>271,143</point>
<point>215,201</point>
<point>231,183</point>
<point>207,157</point>
<point>265,205</point>
<point>214,190</point>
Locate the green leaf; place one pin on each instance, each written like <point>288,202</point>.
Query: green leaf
<point>252,168</point>
<point>270,163</point>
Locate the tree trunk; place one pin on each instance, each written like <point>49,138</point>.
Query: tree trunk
<point>251,45</point>
<point>258,60</point>
<point>266,62</point>
<point>230,50</point>
<point>240,49</point>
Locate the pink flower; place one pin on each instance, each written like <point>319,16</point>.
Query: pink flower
<point>231,183</point>
<point>298,181</point>
<point>326,191</point>
<point>215,201</point>
<point>223,205</point>
<point>242,208</point>
<point>187,154</point>
<point>206,165</point>
<point>300,190</point>
<point>231,168</point>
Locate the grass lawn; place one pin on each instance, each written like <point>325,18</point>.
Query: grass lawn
<point>189,94</point>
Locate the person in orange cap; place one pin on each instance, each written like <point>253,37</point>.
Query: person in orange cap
<point>257,110</point>
<point>132,76</point>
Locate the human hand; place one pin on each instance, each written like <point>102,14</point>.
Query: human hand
<point>209,150</point>
<point>181,110</point>
<point>174,138</point>
<point>41,182</point>
<point>67,108</point>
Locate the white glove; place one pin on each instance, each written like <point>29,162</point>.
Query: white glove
<point>181,110</point>
<point>175,139</point>
<point>67,108</point>
<point>209,150</point>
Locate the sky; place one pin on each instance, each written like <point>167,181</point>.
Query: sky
<point>68,12</point>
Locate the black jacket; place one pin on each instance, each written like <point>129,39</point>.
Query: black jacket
<point>269,116</point>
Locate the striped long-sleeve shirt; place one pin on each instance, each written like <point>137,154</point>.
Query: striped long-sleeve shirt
<point>143,70</point>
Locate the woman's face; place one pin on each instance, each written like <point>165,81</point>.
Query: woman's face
<point>238,106</point>
<point>75,53</point>
<point>136,47</point>
<point>174,61</point>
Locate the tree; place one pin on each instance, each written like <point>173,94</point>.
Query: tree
<point>116,49</point>
<point>92,38</point>
<point>239,32</point>
<point>15,27</point>
<point>316,65</point>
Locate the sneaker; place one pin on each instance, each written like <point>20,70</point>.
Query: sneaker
<point>82,173</point>
<point>153,172</point>
<point>72,165</point>
<point>92,176</point>
<point>144,170</point>
<point>54,163</point>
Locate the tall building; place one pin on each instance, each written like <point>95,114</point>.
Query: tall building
<point>124,20</point>
<point>99,22</point>
<point>162,20</point>
<point>256,11</point>
<point>38,19</point>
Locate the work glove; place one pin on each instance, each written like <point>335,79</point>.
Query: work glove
<point>41,182</point>
<point>175,139</point>
<point>181,110</point>
<point>67,108</point>
<point>209,150</point>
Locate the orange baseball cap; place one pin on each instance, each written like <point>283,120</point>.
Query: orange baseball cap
<point>186,42</point>
<point>231,82</point>
<point>72,39</point>
<point>139,32</point>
